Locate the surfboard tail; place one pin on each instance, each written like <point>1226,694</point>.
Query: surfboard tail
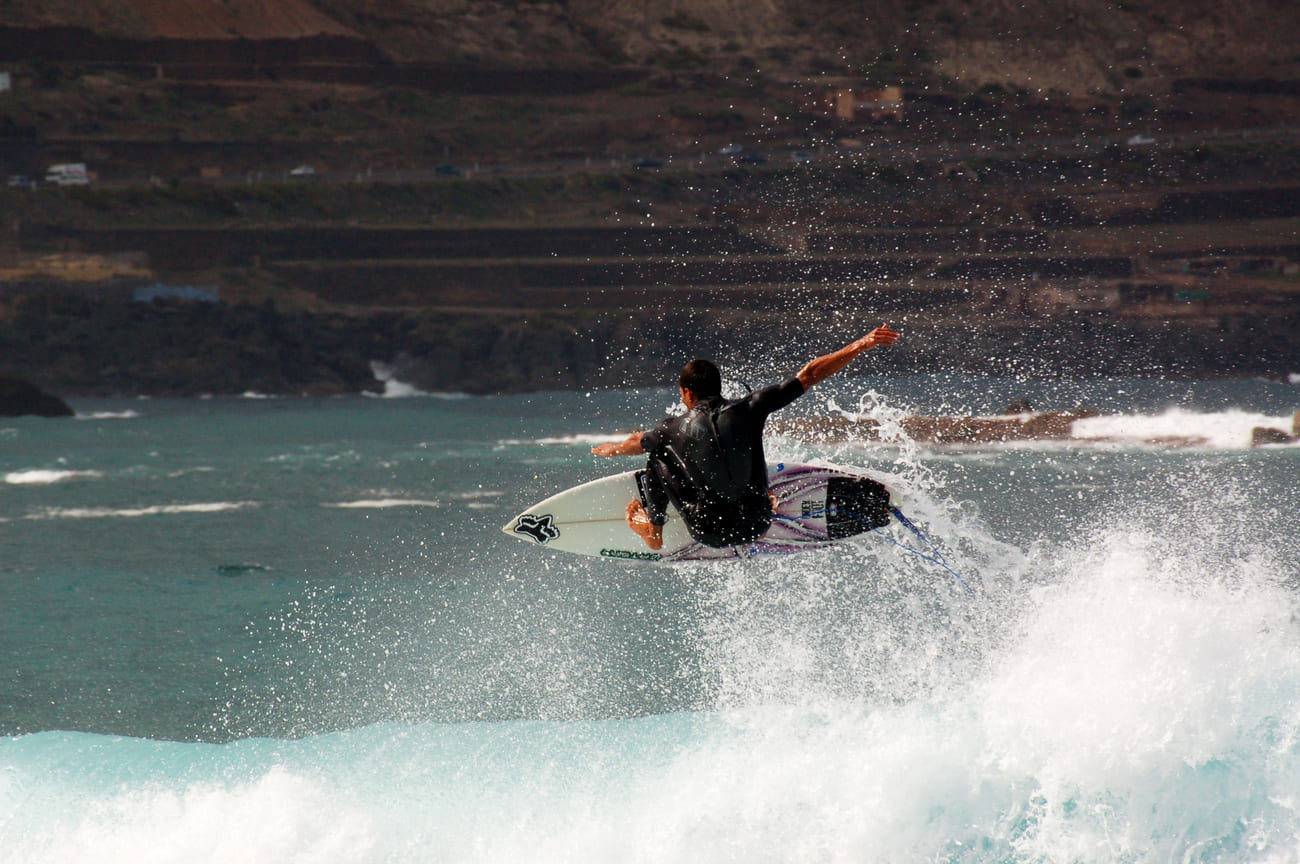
<point>855,505</point>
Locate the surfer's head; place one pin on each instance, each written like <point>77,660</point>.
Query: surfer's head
<point>702,378</point>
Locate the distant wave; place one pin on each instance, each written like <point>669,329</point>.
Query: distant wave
<point>1225,430</point>
<point>398,390</point>
<point>474,500</point>
<point>576,438</point>
<point>395,389</point>
<point>1175,428</point>
<point>44,477</point>
<point>109,415</point>
<point>136,512</point>
<point>383,503</point>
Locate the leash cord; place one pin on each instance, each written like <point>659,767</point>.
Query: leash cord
<point>935,558</point>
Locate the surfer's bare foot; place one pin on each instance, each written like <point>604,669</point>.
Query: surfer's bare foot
<point>639,521</point>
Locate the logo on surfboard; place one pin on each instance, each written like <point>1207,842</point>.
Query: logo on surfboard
<point>540,528</point>
<point>631,556</point>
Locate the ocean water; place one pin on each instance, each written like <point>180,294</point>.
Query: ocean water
<point>269,630</point>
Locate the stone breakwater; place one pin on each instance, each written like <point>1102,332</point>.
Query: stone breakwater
<point>1262,435</point>
<point>1029,426</point>
<point>19,397</point>
<point>1016,426</point>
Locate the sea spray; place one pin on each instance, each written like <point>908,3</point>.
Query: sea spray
<point>1149,709</point>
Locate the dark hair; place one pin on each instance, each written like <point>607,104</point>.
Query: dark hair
<point>702,378</point>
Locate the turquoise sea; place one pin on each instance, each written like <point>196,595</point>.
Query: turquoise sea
<point>273,630</point>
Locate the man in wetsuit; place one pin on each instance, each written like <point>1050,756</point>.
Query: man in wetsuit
<point>709,461</point>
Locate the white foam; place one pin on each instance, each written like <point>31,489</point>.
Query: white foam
<point>43,477</point>
<point>137,512</point>
<point>583,438</point>
<point>396,389</point>
<point>109,415</point>
<point>1135,691</point>
<point>1228,430</point>
<point>276,817</point>
<point>383,503</point>
<point>1144,708</point>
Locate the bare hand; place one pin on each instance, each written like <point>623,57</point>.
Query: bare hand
<point>882,335</point>
<point>639,521</point>
<point>629,447</point>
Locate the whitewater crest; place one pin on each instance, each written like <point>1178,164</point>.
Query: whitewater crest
<point>47,476</point>
<point>394,388</point>
<point>1175,428</point>
<point>204,507</point>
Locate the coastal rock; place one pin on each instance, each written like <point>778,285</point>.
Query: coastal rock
<point>1043,426</point>
<point>1261,435</point>
<point>19,397</point>
<point>826,429</point>
<point>1020,406</point>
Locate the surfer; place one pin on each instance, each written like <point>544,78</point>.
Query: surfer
<point>709,461</point>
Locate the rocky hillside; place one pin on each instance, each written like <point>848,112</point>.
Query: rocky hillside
<point>1075,186</point>
<point>1074,46</point>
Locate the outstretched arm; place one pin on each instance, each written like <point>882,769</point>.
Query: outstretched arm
<point>827,365</point>
<point>630,446</point>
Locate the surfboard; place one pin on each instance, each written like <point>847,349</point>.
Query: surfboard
<point>816,504</point>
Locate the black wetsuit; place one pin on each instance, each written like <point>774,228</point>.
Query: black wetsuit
<point>709,463</point>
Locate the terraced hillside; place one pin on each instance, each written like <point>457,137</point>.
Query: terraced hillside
<point>1093,187</point>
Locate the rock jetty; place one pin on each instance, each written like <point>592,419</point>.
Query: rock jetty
<point>1041,426</point>
<point>19,397</point>
<point>1261,435</point>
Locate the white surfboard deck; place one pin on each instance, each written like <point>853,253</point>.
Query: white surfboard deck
<point>591,519</point>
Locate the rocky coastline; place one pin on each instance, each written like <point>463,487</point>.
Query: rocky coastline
<point>1262,436</point>
<point>1017,425</point>
<point>19,398</point>
<point>172,348</point>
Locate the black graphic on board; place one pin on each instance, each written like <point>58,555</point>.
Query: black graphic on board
<point>540,528</point>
